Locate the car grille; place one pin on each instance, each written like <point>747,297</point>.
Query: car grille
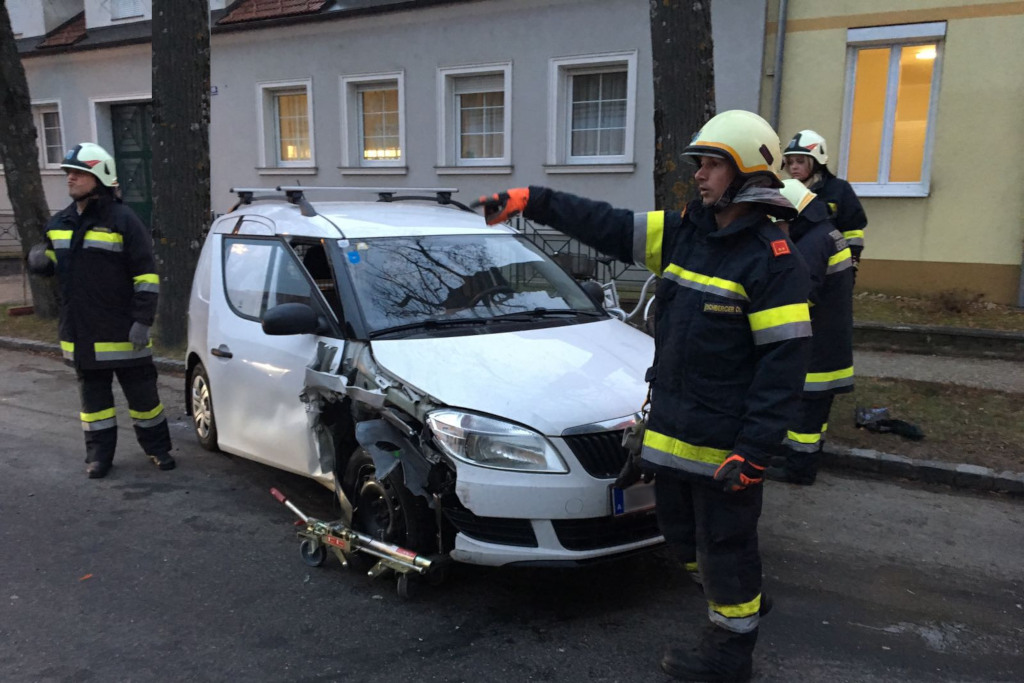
<point>518,532</point>
<point>600,453</point>
<point>605,532</point>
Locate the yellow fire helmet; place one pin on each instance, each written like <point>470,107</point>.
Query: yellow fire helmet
<point>809,143</point>
<point>92,158</point>
<point>797,194</point>
<point>744,138</point>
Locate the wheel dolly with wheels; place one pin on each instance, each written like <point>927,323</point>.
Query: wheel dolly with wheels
<point>318,535</point>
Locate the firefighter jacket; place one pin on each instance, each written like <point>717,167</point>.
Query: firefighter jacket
<point>731,324</point>
<point>844,209</point>
<point>107,280</point>
<point>830,370</point>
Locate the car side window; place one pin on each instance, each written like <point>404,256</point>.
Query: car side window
<point>261,274</point>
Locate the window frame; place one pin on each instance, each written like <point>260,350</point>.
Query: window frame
<point>39,108</point>
<point>351,125</point>
<point>449,160</point>
<point>270,162</point>
<point>561,70</point>
<point>894,37</point>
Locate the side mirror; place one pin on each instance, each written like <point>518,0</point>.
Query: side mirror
<point>595,292</point>
<point>296,318</point>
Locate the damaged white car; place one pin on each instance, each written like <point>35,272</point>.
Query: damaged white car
<point>462,394</point>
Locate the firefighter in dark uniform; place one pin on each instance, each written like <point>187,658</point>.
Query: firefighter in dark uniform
<point>102,255</point>
<point>731,339</point>
<point>830,370</point>
<point>806,159</point>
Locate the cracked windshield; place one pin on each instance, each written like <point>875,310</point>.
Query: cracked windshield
<point>403,281</point>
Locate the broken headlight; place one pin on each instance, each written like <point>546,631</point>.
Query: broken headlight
<point>487,442</point>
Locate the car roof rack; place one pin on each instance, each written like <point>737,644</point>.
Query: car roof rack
<point>441,195</point>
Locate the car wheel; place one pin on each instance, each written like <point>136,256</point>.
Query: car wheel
<point>384,510</point>
<point>203,420</point>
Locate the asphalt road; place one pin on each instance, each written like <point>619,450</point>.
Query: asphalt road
<point>194,575</point>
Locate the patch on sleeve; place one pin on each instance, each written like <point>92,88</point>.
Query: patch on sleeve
<point>780,248</point>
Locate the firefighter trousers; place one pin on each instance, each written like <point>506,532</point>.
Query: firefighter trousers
<point>803,443</point>
<point>714,534</point>
<point>99,421</point>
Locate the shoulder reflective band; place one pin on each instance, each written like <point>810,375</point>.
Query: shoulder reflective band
<point>705,283</point>
<point>147,282</point>
<point>823,381</point>
<point>854,237</point>
<point>61,239</point>
<point>839,261</point>
<point>648,233</point>
<point>108,241</point>
<point>780,323</point>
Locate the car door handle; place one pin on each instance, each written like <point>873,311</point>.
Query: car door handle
<point>222,351</point>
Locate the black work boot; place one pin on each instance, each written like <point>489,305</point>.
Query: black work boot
<point>97,469</point>
<point>721,655</point>
<point>163,461</point>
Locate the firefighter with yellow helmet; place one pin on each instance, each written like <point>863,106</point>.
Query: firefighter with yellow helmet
<point>731,339</point>
<point>102,255</point>
<point>830,370</point>
<point>806,159</point>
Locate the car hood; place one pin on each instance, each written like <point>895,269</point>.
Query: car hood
<point>548,379</point>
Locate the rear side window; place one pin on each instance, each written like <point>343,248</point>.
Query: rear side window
<point>261,274</point>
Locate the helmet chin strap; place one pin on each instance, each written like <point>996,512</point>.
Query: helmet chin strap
<point>738,184</point>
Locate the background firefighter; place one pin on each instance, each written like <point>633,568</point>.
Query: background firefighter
<point>730,349</point>
<point>102,255</point>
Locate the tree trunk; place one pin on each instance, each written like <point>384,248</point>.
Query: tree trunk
<point>20,157</point>
<point>684,92</point>
<point>181,153</point>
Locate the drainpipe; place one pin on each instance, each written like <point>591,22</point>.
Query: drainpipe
<point>1020,287</point>
<point>780,44</point>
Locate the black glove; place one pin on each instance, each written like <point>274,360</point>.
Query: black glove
<point>37,260</point>
<point>632,470</point>
<point>737,473</point>
<point>500,207</point>
<point>139,336</point>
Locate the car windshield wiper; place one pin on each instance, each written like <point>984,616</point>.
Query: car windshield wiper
<point>535,313</point>
<point>430,324</point>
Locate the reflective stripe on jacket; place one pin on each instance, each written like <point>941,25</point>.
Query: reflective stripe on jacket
<point>732,324</point>
<point>107,277</point>
<point>844,209</point>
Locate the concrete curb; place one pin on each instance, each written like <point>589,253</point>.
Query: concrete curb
<point>961,476</point>
<point>163,364</point>
<point>944,341</point>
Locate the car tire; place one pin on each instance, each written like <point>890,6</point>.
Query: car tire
<point>385,510</point>
<point>203,420</point>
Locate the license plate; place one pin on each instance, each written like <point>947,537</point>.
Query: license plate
<point>636,498</point>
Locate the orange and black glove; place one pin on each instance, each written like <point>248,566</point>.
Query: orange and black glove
<point>500,207</point>
<point>737,473</point>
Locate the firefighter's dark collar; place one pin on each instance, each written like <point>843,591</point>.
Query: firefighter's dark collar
<point>744,222</point>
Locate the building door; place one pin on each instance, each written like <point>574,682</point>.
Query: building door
<point>133,154</point>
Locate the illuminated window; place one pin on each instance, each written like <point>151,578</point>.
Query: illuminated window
<point>286,122</point>
<point>592,112</point>
<point>891,94</point>
<point>475,127</point>
<point>373,124</point>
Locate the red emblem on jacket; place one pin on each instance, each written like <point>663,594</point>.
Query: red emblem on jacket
<point>779,247</point>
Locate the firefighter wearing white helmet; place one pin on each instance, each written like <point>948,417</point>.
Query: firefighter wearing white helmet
<point>732,331</point>
<point>830,370</point>
<point>102,255</point>
<point>806,158</point>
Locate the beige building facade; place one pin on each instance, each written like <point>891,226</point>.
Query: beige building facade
<point>921,103</point>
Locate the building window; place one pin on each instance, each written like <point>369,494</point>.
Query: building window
<point>373,123</point>
<point>125,9</point>
<point>891,100</point>
<point>475,130</point>
<point>286,123</point>
<point>51,141</point>
<point>592,111</point>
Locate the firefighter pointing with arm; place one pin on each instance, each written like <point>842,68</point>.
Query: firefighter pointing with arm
<point>102,255</point>
<point>731,335</point>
